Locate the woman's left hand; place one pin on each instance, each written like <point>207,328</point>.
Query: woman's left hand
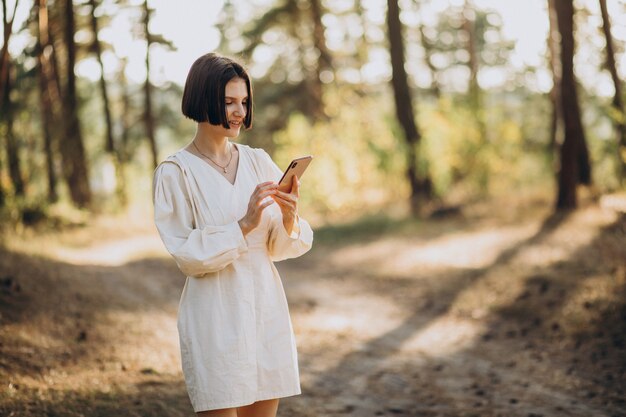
<point>288,203</point>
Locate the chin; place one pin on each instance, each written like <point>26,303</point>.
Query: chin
<point>233,133</point>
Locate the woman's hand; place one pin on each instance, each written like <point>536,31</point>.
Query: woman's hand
<point>288,203</point>
<point>256,205</point>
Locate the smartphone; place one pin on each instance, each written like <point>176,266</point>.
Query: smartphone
<point>296,167</point>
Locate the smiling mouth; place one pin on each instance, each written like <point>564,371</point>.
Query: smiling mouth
<point>234,123</point>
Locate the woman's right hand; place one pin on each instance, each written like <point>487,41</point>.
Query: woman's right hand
<point>256,206</point>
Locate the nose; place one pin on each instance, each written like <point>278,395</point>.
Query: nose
<point>240,110</point>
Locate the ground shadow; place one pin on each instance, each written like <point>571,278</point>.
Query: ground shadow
<point>336,380</point>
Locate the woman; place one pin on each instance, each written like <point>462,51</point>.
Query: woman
<point>222,217</point>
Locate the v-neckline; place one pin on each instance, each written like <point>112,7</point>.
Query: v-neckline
<point>215,171</point>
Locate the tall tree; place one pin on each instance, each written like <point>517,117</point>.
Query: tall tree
<point>8,116</point>
<point>620,116</point>
<point>48,94</point>
<point>96,48</point>
<point>556,119</point>
<point>574,156</point>
<point>148,116</point>
<point>72,148</point>
<point>420,182</point>
<point>7,28</point>
<point>110,146</point>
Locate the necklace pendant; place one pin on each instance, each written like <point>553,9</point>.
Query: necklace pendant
<point>225,171</point>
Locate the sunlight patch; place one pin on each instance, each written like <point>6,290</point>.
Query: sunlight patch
<point>444,336</point>
<point>112,254</point>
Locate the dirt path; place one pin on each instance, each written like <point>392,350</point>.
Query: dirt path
<point>520,315</point>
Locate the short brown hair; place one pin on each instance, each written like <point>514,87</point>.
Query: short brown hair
<point>203,97</point>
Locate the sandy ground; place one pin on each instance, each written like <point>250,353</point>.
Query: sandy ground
<point>519,314</point>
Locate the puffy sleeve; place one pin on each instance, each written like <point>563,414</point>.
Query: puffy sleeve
<point>280,244</point>
<point>197,252</point>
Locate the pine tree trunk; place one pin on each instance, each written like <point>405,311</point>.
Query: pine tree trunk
<point>71,146</point>
<point>97,50</point>
<point>7,28</point>
<point>556,119</point>
<point>620,120</point>
<point>474,91</point>
<point>45,97</point>
<point>420,186</point>
<point>575,166</point>
<point>11,141</point>
<point>121,150</point>
<point>148,117</point>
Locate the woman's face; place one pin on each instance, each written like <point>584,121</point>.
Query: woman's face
<point>236,96</point>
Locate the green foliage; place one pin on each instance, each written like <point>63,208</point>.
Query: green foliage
<point>357,163</point>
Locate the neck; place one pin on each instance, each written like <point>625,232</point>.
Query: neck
<point>210,143</point>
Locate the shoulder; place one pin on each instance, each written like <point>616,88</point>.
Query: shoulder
<point>171,168</point>
<point>258,154</point>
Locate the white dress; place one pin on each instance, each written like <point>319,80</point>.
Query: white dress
<point>236,339</point>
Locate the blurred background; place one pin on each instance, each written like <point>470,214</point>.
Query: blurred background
<point>431,104</point>
<point>468,196</point>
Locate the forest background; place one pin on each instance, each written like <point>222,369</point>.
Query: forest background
<point>431,105</point>
<point>467,195</point>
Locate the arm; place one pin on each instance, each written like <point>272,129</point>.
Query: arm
<point>284,246</point>
<point>197,252</point>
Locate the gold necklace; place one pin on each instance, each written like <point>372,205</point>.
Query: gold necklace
<point>224,168</point>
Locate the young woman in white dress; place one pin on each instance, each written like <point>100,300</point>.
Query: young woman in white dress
<point>225,221</point>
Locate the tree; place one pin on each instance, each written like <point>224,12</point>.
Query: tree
<point>8,115</point>
<point>7,26</point>
<point>72,148</point>
<point>556,118</point>
<point>96,48</point>
<point>48,94</point>
<point>574,156</point>
<point>620,116</point>
<point>420,184</point>
<point>8,108</point>
<point>148,117</point>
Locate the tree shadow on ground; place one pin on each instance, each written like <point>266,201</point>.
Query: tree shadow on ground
<point>58,307</point>
<point>338,379</point>
<point>151,397</point>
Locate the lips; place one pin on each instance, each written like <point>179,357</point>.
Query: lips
<point>235,123</point>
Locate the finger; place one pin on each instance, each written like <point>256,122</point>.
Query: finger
<point>286,196</point>
<point>295,185</point>
<point>266,185</point>
<point>266,203</point>
<point>286,207</point>
<point>263,192</point>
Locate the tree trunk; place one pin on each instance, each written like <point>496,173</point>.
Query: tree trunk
<point>148,117</point>
<point>45,97</point>
<point>122,149</point>
<point>556,119</point>
<point>97,49</point>
<point>11,142</point>
<point>7,27</point>
<point>72,149</point>
<point>474,91</point>
<point>420,186</point>
<point>575,166</point>
<point>322,64</point>
<point>620,119</point>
